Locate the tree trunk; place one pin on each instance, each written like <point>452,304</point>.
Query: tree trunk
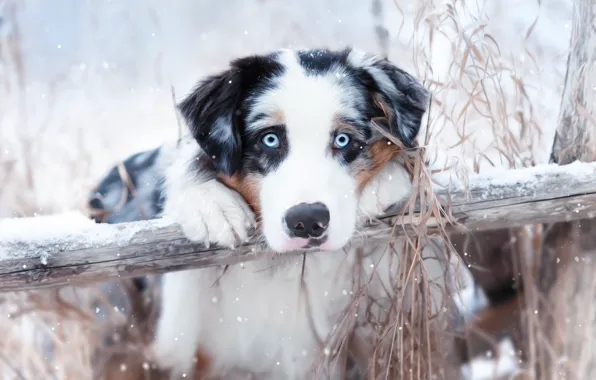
<point>565,243</point>
<point>575,138</point>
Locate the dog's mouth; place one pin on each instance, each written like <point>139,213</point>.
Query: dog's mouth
<point>314,243</point>
<point>298,244</point>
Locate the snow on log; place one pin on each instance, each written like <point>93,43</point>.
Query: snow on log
<point>69,248</point>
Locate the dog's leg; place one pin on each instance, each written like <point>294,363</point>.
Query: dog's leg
<point>389,186</point>
<point>177,335</point>
<point>210,213</point>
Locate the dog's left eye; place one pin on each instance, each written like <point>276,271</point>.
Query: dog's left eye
<point>341,141</point>
<point>270,140</point>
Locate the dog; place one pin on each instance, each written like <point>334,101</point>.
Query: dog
<point>304,147</point>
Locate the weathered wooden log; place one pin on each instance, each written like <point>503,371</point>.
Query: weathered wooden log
<point>59,250</point>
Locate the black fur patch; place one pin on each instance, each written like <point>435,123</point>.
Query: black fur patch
<point>355,149</point>
<point>260,159</point>
<point>320,61</point>
<point>216,109</point>
<point>112,201</point>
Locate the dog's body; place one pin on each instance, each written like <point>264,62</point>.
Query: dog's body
<point>286,142</point>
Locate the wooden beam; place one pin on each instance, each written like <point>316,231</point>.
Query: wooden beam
<point>57,250</point>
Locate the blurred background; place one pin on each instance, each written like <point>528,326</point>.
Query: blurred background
<point>85,83</point>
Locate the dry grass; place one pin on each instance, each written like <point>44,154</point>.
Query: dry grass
<point>487,110</point>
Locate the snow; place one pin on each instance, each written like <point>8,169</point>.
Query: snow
<point>488,368</point>
<point>45,228</point>
<point>493,181</point>
<point>44,235</point>
<point>503,177</point>
<point>468,298</point>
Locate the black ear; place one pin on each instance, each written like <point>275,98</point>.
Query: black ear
<point>215,109</point>
<point>210,111</point>
<point>399,95</point>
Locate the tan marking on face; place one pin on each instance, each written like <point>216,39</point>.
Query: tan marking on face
<point>275,118</point>
<point>247,186</point>
<point>381,152</point>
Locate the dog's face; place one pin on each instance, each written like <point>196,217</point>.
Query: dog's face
<point>292,132</point>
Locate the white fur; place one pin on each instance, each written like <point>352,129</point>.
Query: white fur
<point>309,173</point>
<point>391,183</point>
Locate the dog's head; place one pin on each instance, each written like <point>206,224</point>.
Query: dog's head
<point>292,132</point>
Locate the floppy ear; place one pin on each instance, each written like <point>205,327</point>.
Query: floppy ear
<point>214,110</point>
<point>210,111</point>
<point>399,95</point>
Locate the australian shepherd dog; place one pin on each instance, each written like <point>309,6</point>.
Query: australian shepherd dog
<point>293,148</point>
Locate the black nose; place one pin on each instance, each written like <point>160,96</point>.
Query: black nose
<point>307,220</point>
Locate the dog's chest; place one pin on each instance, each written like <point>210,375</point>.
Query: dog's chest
<point>274,314</point>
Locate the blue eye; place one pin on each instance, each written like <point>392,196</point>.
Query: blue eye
<point>341,141</point>
<point>270,140</point>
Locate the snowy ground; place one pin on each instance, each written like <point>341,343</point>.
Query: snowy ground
<point>95,78</point>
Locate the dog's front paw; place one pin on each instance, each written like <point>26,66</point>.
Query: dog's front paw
<point>211,212</point>
<point>388,187</point>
